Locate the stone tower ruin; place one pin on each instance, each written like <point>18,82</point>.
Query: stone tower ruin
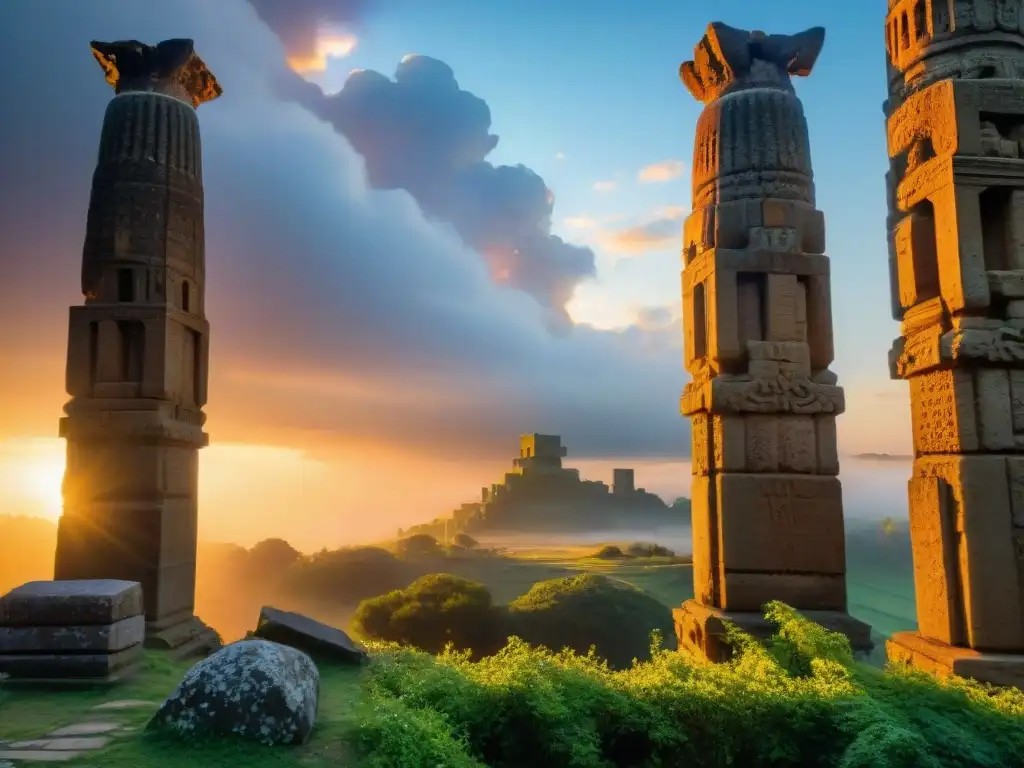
<point>138,346</point>
<point>767,503</point>
<point>955,129</point>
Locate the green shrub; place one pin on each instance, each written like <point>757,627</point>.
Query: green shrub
<point>432,612</point>
<point>526,706</point>
<point>418,545</point>
<point>644,549</point>
<point>347,576</point>
<point>578,612</point>
<point>610,552</point>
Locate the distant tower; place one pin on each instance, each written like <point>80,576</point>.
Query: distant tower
<point>540,453</point>
<point>138,348</point>
<point>767,503</point>
<point>623,482</point>
<point>955,130</point>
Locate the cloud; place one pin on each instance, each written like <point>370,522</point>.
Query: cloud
<point>559,156</point>
<point>666,170</point>
<point>580,222</point>
<point>341,311</point>
<point>419,131</point>
<point>605,186</point>
<point>660,231</point>
<point>655,318</point>
<point>313,30</point>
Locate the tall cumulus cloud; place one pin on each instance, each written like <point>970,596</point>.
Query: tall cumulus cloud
<point>364,288</point>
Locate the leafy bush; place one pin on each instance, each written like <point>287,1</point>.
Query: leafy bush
<point>432,612</point>
<point>347,576</point>
<point>610,552</point>
<point>419,545</point>
<point>465,541</point>
<point>644,549</point>
<point>579,612</point>
<point>525,706</point>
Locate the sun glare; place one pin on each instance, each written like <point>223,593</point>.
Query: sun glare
<point>31,471</point>
<point>333,46</point>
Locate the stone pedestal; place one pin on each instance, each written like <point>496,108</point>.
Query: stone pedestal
<point>955,125</point>
<point>138,346</point>
<point>701,631</point>
<point>942,660</point>
<point>72,631</point>
<point>766,500</point>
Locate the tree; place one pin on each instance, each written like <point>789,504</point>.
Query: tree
<point>418,545</point>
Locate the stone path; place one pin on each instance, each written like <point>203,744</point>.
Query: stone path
<point>74,740</point>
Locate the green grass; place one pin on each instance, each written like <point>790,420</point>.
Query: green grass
<point>31,713</point>
<point>801,703</point>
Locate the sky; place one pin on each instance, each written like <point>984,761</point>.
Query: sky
<point>431,226</point>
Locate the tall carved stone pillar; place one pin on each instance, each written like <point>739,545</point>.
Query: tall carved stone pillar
<point>767,503</point>
<point>138,347</point>
<point>955,124</point>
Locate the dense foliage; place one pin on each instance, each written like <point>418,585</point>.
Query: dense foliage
<point>432,612</point>
<point>580,612</point>
<point>576,612</point>
<point>418,545</point>
<point>802,703</point>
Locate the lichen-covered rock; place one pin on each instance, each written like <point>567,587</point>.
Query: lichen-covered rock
<point>253,689</point>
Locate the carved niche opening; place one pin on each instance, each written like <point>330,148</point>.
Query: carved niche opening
<point>133,338</point>
<point>125,285</point>
<point>185,296</point>
<point>904,32</point>
<point>996,213</point>
<point>920,20</point>
<point>751,304</point>
<point>94,351</point>
<point>700,321</point>
<point>940,18</point>
<point>918,263</point>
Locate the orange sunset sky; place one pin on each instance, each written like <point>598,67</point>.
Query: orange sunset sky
<point>394,295</point>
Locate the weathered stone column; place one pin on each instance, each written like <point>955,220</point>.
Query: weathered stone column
<point>955,121</point>
<point>767,503</point>
<point>138,347</point>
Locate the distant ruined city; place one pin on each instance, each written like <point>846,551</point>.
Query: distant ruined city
<point>539,494</point>
<point>767,505</point>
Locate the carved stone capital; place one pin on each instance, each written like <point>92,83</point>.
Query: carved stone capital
<point>729,59</point>
<point>755,394</point>
<point>936,348</point>
<point>171,68</point>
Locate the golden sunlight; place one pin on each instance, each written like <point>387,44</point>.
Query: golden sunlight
<point>31,471</point>
<point>330,46</point>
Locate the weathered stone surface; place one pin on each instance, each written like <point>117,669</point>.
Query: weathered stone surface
<point>253,690</point>
<point>955,124</point>
<point>77,666</point>
<point>71,603</point>
<point>102,638</point>
<point>758,338</point>
<point>138,348</point>
<point>301,632</point>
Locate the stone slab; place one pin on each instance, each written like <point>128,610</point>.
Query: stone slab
<point>38,755</point>
<point>701,631</point>
<point>779,523</point>
<point>85,666</point>
<point>301,632</point>
<point>75,743</point>
<point>127,704</point>
<point>86,728</point>
<point>809,591</point>
<point>96,639</point>
<point>186,639</point>
<point>942,660</point>
<point>81,602</point>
